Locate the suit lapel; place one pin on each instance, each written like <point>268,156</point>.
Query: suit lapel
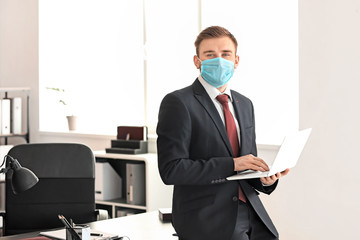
<point>204,99</point>
<point>241,120</point>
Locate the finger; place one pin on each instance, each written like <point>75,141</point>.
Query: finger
<point>253,163</point>
<point>272,178</point>
<point>252,157</point>
<point>285,172</point>
<point>264,180</point>
<point>260,163</point>
<point>257,167</point>
<point>267,180</point>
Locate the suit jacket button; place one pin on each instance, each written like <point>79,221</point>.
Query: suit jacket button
<point>235,199</point>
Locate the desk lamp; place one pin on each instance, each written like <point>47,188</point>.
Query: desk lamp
<point>22,178</point>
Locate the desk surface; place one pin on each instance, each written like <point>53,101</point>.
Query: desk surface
<point>136,227</point>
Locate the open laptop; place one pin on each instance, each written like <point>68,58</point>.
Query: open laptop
<point>287,156</point>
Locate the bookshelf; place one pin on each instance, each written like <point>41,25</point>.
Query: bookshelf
<point>23,93</point>
<point>157,194</point>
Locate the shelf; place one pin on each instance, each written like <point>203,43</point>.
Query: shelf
<point>24,110</point>
<point>115,205</point>
<point>15,89</point>
<point>157,194</point>
<point>14,135</point>
<point>120,202</point>
<point>133,157</point>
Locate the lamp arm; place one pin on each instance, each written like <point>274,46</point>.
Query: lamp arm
<point>5,170</point>
<point>12,161</point>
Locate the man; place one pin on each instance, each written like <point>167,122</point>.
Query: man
<point>199,145</point>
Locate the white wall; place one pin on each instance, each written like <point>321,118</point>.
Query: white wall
<point>19,50</point>
<point>319,199</point>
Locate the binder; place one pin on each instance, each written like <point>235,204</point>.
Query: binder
<point>135,183</point>
<point>16,115</point>
<point>5,116</point>
<point>108,184</point>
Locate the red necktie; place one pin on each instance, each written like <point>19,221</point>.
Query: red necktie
<point>231,132</point>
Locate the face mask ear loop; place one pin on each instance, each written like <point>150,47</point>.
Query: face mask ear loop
<point>200,62</point>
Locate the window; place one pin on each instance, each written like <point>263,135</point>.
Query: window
<point>170,37</point>
<point>267,34</point>
<point>109,53</point>
<point>94,50</point>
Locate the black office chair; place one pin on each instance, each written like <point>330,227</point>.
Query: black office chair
<point>66,173</point>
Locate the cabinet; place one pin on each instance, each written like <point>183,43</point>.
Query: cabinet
<point>157,194</point>
<point>24,93</point>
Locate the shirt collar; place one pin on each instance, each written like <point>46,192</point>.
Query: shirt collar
<point>212,91</point>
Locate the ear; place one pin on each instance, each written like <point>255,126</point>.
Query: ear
<point>237,60</point>
<point>197,62</point>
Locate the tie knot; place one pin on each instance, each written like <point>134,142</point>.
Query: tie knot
<point>223,98</point>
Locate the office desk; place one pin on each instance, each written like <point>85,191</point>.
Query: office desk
<point>144,226</point>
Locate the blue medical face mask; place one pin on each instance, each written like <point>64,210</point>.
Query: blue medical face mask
<point>217,71</point>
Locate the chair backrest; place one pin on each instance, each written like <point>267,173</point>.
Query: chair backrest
<point>66,173</point>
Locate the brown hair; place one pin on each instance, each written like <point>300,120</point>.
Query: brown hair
<point>213,32</point>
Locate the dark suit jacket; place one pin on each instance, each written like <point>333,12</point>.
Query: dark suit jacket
<point>194,155</point>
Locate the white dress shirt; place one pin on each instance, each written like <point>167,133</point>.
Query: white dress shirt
<point>213,92</point>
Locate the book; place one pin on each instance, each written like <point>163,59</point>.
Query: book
<point>165,214</point>
<point>132,133</point>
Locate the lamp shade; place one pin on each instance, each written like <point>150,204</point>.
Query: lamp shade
<point>22,178</point>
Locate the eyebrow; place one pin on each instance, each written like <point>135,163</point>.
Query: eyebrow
<point>208,51</point>
<point>212,51</point>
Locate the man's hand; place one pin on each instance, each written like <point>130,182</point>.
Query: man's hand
<point>250,162</point>
<point>272,179</point>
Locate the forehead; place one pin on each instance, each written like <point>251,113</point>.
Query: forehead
<point>217,45</point>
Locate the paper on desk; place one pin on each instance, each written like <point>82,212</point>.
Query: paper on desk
<point>58,234</point>
<point>61,234</point>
